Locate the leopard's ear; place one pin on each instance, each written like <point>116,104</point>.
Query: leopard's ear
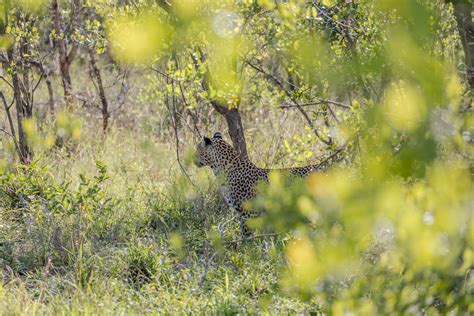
<point>217,135</point>
<point>207,141</point>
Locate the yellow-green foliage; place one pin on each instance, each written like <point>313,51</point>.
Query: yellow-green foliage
<point>122,222</point>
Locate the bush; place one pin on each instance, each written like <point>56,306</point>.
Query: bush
<point>44,221</point>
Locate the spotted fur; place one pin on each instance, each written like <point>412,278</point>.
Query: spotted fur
<point>238,177</point>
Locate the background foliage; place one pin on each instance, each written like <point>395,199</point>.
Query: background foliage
<point>102,211</point>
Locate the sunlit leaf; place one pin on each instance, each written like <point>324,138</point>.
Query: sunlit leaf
<point>404,106</point>
<point>137,39</point>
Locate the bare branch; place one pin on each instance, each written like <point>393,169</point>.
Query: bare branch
<point>172,111</point>
<point>6,81</point>
<point>164,4</point>
<point>7,133</point>
<point>321,101</point>
<point>37,83</point>
<point>12,134</point>
<point>166,75</point>
<point>293,100</point>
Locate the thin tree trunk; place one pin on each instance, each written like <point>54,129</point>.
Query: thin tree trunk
<point>25,86</point>
<point>47,78</point>
<point>21,90</point>
<point>25,152</point>
<point>463,14</point>
<point>65,58</point>
<point>236,129</point>
<point>100,88</point>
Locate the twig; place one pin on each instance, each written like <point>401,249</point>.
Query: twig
<point>167,76</point>
<point>321,101</point>
<point>293,100</point>
<point>37,84</point>
<point>190,112</point>
<point>183,118</point>
<point>6,81</point>
<point>12,137</point>
<point>334,154</point>
<point>292,106</point>
<point>6,132</point>
<point>175,128</point>
<point>342,105</point>
<point>332,113</point>
<point>196,131</point>
<point>10,121</point>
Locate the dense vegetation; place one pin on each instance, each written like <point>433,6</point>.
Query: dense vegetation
<point>102,210</point>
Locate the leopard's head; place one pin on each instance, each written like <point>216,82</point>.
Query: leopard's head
<point>215,153</point>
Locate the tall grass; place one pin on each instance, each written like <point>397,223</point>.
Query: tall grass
<point>111,225</point>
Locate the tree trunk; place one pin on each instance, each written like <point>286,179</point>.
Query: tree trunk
<point>100,87</point>
<point>236,132</point>
<point>65,58</point>
<point>23,97</point>
<point>236,129</point>
<point>47,78</point>
<point>463,14</point>
<point>66,79</point>
<point>232,116</point>
<point>23,110</point>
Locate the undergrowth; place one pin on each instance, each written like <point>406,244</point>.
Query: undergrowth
<point>129,234</point>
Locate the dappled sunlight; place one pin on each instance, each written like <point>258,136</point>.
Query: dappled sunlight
<point>333,175</point>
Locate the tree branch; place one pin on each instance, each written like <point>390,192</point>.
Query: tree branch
<point>6,81</point>
<point>321,101</point>
<point>293,100</point>
<point>10,122</point>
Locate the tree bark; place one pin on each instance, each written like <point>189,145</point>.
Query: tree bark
<point>236,132</point>
<point>100,87</point>
<point>23,110</point>
<point>21,90</point>
<point>47,78</point>
<point>65,57</point>
<point>232,116</point>
<point>463,15</point>
<point>236,129</point>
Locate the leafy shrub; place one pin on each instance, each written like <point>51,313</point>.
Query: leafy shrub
<point>48,221</point>
<point>380,245</point>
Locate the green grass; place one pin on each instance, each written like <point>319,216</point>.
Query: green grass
<point>135,238</point>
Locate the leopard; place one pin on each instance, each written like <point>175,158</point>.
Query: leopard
<point>239,176</point>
